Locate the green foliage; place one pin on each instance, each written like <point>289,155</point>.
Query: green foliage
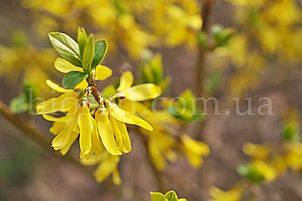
<point>202,39</point>
<point>18,104</point>
<point>21,103</point>
<point>152,72</point>
<point>248,172</point>
<point>73,78</point>
<point>213,81</point>
<point>82,39</point>
<point>291,132</point>
<point>99,52</point>
<point>222,35</point>
<point>169,196</point>
<point>88,54</point>
<point>66,47</point>
<point>185,108</point>
<point>157,197</point>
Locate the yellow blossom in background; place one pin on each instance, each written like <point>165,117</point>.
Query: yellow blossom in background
<point>292,157</point>
<point>260,152</point>
<point>194,151</point>
<point>34,64</point>
<point>108,165</point>
<point>235,194</point>
<point>171,23</point>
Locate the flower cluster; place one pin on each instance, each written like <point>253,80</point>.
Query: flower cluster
<point>98,122</point>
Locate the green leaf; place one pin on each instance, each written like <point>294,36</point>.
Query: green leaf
<point>66,47</point>
<point>19,104</point>
<point>157,67</point>
<point>82,39</point>
<point>291,132</point>
<point>243,170</point>
<point>100,50</point>
<point>152,70</point>
<point>157,197</point>
<point>252,174</point>
<point>189,98</point>
<point>222,35</point>
<point>88,54</point>
<point>171,196</point>
<point>73,78</point>
<point>29,90</point>
<point>202,39</point>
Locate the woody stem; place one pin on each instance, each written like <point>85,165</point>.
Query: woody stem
<point>92,86</point>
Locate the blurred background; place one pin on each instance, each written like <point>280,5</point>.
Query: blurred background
<point>252,49</point>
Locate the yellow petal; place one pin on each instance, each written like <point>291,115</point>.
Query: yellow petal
<point>56,87</point>
<point>143,92</point>
<point>71,140</point>
<point>62,138</point>
<point>103,171</point>
<point>116,177</point>
<point>60,119</point>
<point>116,132</point>
<point>107,166</point>
<point>195,146</point>
<point>194,159</point>
<point>134,107</point>
<point>57,104</point>
<point>82,85</point>
<point>106,133</point>
<point>64,66</point>
<point>126,145</point>
<point>194,151</point>
<point>57,127</point>
<point>140,122</point>
<point>156,156</point>
<point>128,118</point>
<point>97,143</point>
<point>94,160</point>
<point>126,81</point>
<point>102,72</point>
<point>86,128</point>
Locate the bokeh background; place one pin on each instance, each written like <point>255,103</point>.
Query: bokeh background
<point>262,59</point>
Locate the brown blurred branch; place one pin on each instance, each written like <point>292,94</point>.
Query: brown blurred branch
<point>34,133</point>
<point>159,176</point>
<point>206,13</point>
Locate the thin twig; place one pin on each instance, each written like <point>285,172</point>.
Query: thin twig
<point>206,14</point>
<point>34,133</point>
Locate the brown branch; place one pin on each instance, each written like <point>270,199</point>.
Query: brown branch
<point>207,8</point>
<point>33,132</point>
<point>159,176</point>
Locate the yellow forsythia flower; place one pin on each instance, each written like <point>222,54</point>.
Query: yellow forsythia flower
<point>194,151</point>
<point>235,194</point>
<point>140,92</point>
<point>108,164</point>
